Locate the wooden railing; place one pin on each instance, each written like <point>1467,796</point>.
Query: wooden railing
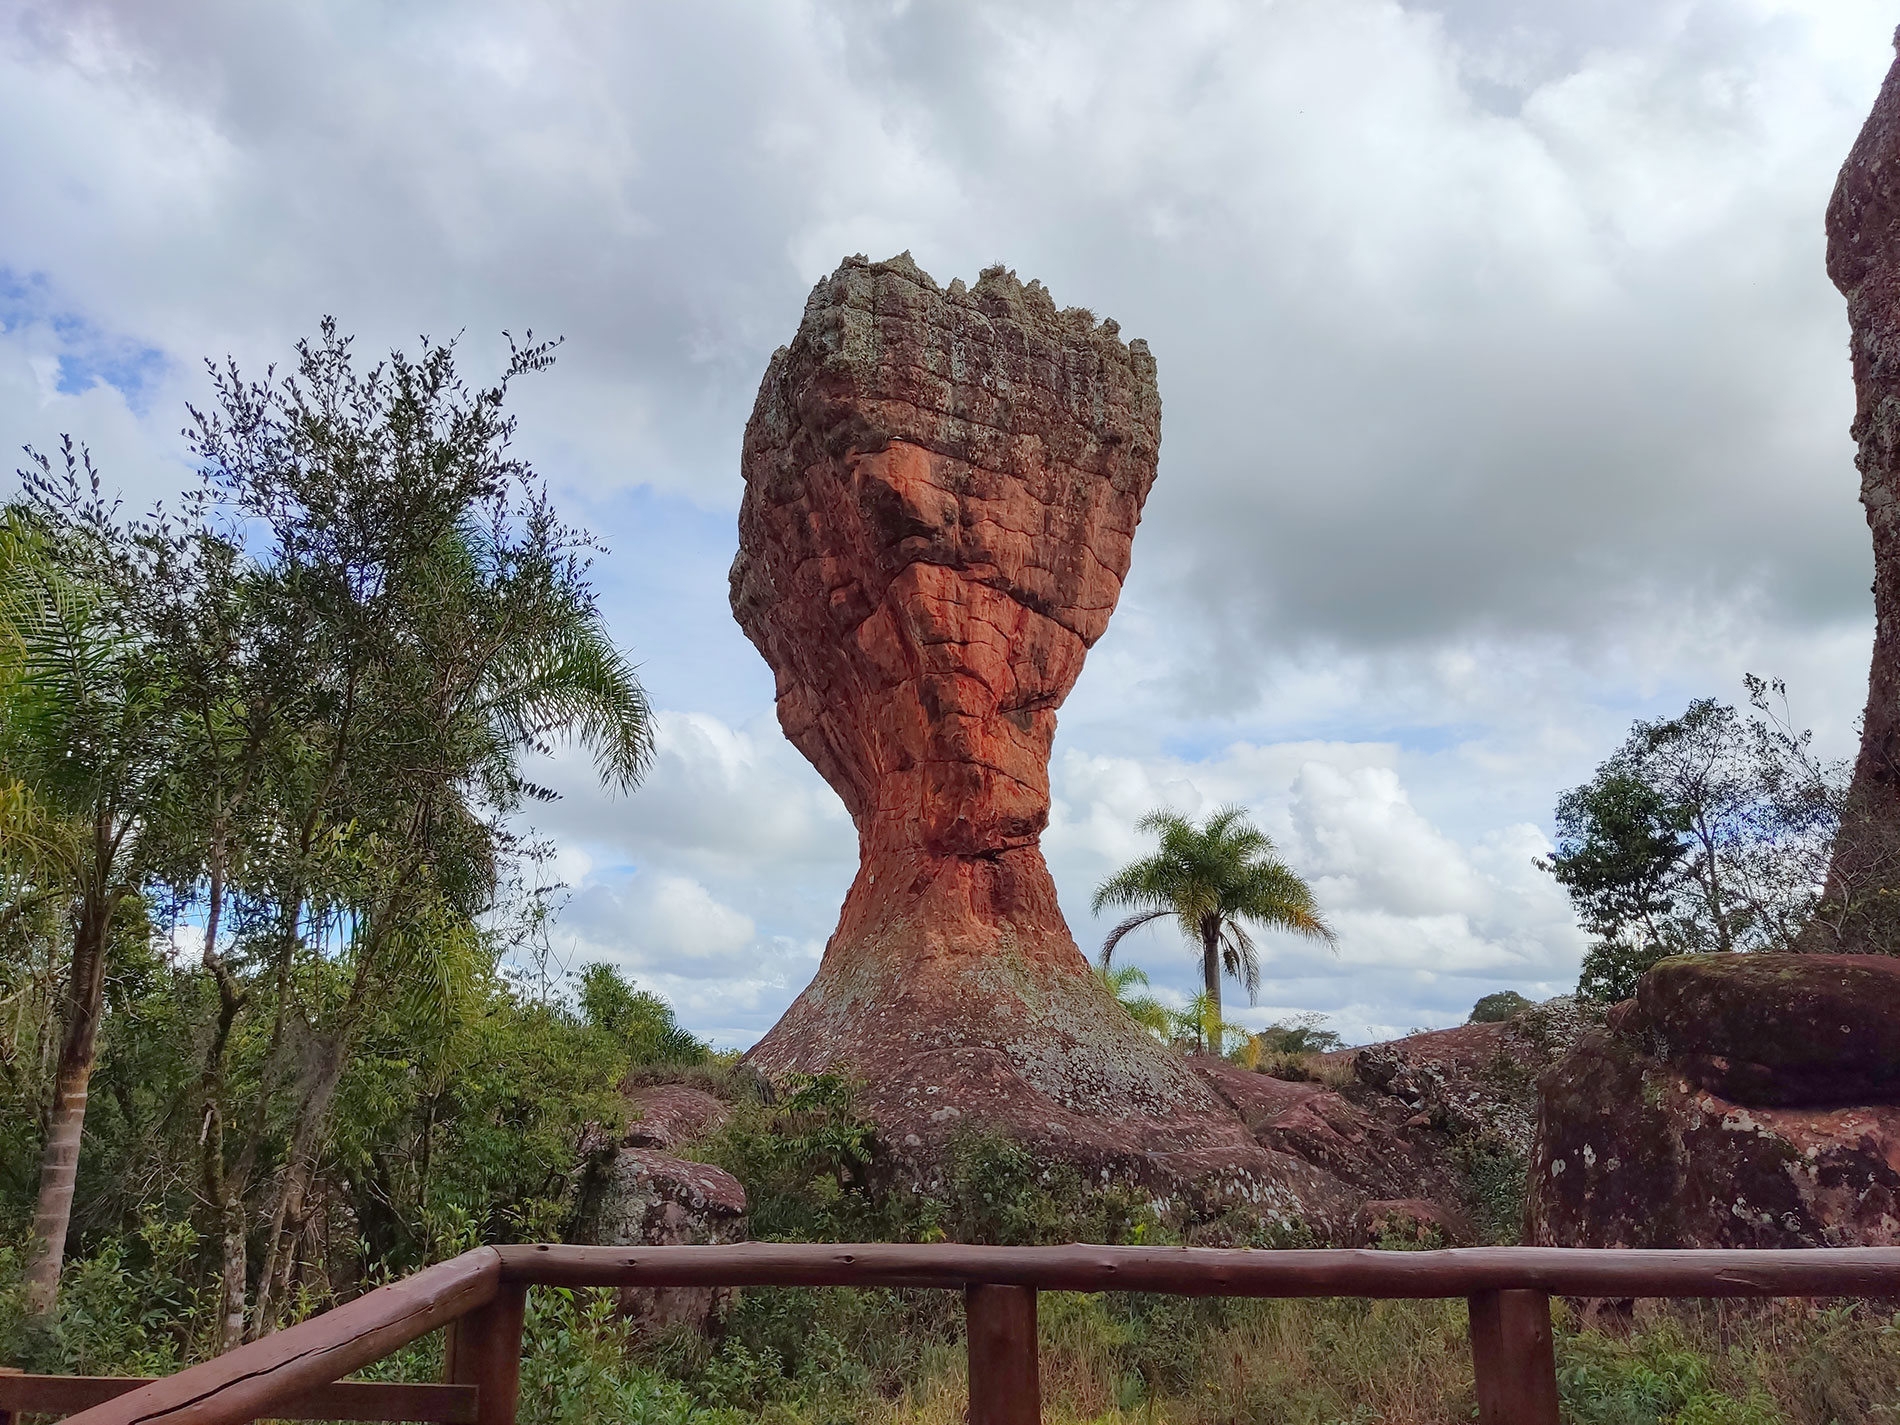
<point>481,1297</point>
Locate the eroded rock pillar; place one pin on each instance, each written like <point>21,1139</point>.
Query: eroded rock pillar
<point>1860,912</point>
<point>942,489</point>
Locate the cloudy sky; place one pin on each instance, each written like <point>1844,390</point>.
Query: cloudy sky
<point>1506,397</point>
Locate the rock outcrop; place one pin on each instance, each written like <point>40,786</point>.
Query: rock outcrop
<point>1737,1101</point>
<point>1361,1141</point>
<point>654,1199</point>
<point>1860,910</point>
<point>942,489</point>
<point>668,1116</point>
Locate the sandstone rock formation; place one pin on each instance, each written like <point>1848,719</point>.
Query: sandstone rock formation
<point>1362,1141</point>
<point>1861,906</point>
<point>654,1199</point>
<point>942,488</point>
<point>1738,1101</point>
<point>668,1116</point>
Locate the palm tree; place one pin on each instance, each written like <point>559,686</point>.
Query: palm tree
<point>1200,1026</point>
<point>81,760</point>
<point>1147,1011</point>
<point>1213,879</point>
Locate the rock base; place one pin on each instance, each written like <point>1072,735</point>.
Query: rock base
<point>1718,1109</point>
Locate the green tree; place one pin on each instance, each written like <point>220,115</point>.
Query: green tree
<point>84,744</point>
<point>1497,1008</point>
<point>1213,879</point>
<point>1704,832</point>
<point>639,1019</point>
<point>1301,1034</point>
<point>425,621</point>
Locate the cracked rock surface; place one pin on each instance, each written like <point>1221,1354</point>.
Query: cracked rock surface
<point>1737,1101</point>
<point>1861,907</point>
<point>941,494</point>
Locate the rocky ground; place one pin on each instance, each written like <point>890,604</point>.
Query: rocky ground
<point>1737,1101</point>
<point>1417,1140</point>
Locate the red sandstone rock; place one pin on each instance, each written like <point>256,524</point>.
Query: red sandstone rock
<point>1775,1030</point>
<point>1364,1145</point>
<point>942,489</point>
<point>1861,906</point>
<point>668,1115</point>
<point>1632,1153</point>
<point>1738,1101</point>
<point>653,1199</point>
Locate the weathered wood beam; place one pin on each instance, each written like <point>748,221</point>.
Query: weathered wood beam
<point>22,1394</point>
<point>254,1380</point>
<point>485,1352</point>
<point>1201,1271</point>
<point>1513,1359</point>
<point>1000,1328</point>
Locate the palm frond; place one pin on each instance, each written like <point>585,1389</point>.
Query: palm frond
<point>1240,958</point>
<point>1134,922</point>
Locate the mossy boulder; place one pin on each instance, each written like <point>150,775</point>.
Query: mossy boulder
<point>1775,1030</point>
<point>1716,1110</point>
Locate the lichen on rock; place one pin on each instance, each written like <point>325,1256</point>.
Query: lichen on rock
<point>942,490</point>
<point>1739,1101</point>
<point>1860,908</point>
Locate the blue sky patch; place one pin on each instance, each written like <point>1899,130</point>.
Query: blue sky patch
<point>89,355</point>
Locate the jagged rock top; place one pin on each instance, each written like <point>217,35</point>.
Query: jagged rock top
<point>994,374</point>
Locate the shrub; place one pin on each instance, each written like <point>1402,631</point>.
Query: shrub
<point>1496,1008</point>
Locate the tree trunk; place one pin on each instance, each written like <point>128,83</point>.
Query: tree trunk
<point>66,1118</point>
<point>1723,941</point>
<point>224,1189</point>
<point>299,1168</point>
<point>1210,971</point>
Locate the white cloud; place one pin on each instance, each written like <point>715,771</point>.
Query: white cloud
<point>1506,396</point>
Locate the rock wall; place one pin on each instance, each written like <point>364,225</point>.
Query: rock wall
<point>1738,1101</point>
<point>1861,907</point>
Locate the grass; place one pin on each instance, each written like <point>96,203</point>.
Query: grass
<point>891,1357</point>
<point>819,1357</point>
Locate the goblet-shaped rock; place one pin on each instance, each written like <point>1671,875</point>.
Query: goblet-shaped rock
<point>942,488</point>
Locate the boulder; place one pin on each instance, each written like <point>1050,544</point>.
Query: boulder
<point>1775,1030</point>
<point>1633,1153</point>
<point>1477,1079</point>
<point>1362,1146</point>
<point>1738,1101</point>
<point>669,1115</point>
<point>653,1199</point>
<point>941,494</point>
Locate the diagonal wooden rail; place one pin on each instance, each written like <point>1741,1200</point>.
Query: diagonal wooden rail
<point>481,1297</point>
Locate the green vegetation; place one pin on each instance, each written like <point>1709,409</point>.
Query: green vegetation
<point>1212,879</point>
<point>1497,1008</point>
<point>146,1298</point>
<point>1704,832</point>
<point>1125,983</point>
<point>262,769</point>
<point>277,1021</point>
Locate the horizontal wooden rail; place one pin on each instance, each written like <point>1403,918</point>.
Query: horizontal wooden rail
<point>254,1380</point>
<point>1206,1271</point>
<point>1508,1291</point>
<point>339,1400</point>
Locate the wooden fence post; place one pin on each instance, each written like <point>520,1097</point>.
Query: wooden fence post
<point>6,1411</point>
<point>1000,1325</point>
<point>1512,1358</point>
<point>485,1352</point>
